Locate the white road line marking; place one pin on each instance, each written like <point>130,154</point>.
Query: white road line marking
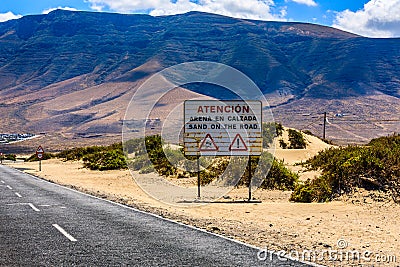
<point>9,187</point>
<point>33,207</point>
<point>18,195</point>
<point>3,182</point>
<point>70,237</point>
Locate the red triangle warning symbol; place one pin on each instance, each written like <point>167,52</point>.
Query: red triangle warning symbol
<point>208,144</point>
<point>238,144</point>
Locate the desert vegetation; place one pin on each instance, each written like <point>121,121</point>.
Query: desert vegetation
<point>375,166</point>
<point>151,154</point>
<point>296,140</point>
<point>97,157</point>
<point>46,156</point>
<point>270,131</point>
<point>12,157</point>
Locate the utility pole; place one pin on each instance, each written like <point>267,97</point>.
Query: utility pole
<point>323,135</point>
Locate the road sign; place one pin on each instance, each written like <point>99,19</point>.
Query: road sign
<point>208,144</point>
<point>238,144</point>
<point>39,155</point>
<point>223,128</point>
<point>39,152</point>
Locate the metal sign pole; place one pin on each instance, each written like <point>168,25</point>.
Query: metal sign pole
<point>249,178</point>
<point>198,176</point>
<point>40,165</point>
<point>198,169</point>
<point>324,132</point>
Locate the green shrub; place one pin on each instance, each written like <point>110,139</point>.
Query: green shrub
<point>279,177</point>
<point>296,140</point>
<point>155,152</point>
<point>174,156</point>
<point>147,169</point>
<point>308,132</point>
<point>105,160</point>
<point>282,144</point>
<point>273,173</point>
<point>270,131</point>
<point>81,152</point>
<point>278,129</point>
<point>316,190</point>
<point>375,166</point>
<point>97,157</point>
<point>136,146</point>
<point>140,162</point>
<point>10,157</point>
<point>34,157</point>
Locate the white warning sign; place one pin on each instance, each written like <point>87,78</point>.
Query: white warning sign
<point>238,144</point>
<point>208,144</point>
<point>222,128</point>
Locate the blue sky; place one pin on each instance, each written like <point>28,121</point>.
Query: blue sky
<point>372,18</point>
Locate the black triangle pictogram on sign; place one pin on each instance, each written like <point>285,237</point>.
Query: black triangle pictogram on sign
<point>238,144</point>
<point>208,144</point>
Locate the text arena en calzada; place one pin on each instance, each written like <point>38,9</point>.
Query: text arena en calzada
<point>223,128</point>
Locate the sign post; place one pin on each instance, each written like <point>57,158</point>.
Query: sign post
<point>249,178</point>
<point>39,155</point>
<point>198,172</point>
<point>223,128</point>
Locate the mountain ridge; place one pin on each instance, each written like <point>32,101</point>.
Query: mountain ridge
<point>98,59</point>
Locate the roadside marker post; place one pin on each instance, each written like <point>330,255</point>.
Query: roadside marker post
<point>1,157</point>
<point>39,155</point>
<point>222,128</point>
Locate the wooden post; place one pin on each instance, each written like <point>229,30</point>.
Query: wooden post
<point>323,135</point>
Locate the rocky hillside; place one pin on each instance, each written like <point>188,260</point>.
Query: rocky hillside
<point>75,72</point>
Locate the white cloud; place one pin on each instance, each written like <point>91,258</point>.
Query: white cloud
<point>249,9</point>
<point>306,2</point>
<point>47,11</point>
<point>8,16</point>
<point>378,18</point>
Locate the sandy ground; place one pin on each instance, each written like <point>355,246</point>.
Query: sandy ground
<point>363,224</point>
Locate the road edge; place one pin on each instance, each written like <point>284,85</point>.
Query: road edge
<point>76,189</point>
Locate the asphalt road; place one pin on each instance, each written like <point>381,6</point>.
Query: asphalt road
<point>43,224</point>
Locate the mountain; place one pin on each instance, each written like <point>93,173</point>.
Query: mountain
<point>75,72</point>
